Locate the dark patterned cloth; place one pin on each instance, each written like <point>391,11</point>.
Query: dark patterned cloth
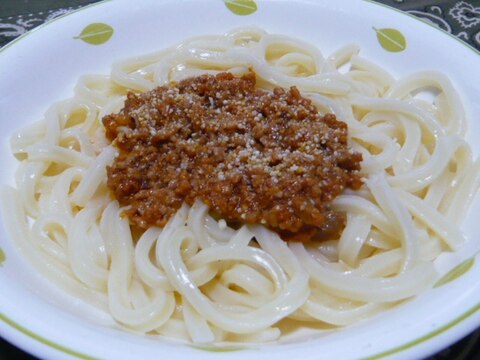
<point>460,18</point>
<point>18,17</point>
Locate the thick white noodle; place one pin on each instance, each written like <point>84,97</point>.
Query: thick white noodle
<point>200,280</point>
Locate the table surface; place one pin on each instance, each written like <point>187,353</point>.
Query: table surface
<point>460,18</point>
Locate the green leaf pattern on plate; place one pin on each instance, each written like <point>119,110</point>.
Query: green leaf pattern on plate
<point>45,341</point>
<point>96,33</point>
<point>456,272</point>
<point>213,348</point>
<point>2,257</point>
<point>241,7</point>
<point>391,39</point>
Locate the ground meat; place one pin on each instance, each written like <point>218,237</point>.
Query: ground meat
<point>251,155</point>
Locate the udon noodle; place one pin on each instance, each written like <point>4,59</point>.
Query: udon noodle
<point>199,279</point>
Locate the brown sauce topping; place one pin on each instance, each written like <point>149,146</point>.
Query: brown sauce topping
<point>251,155</point>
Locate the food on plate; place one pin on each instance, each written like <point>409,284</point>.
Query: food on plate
<point>168,262</point>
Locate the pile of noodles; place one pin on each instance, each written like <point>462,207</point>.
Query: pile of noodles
<point>200,280</point>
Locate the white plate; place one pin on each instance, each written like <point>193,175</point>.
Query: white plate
<point>43,66</point>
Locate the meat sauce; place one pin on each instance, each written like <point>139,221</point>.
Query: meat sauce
<point>251,155</point>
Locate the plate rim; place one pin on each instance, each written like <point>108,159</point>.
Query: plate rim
<point>402,348</point>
